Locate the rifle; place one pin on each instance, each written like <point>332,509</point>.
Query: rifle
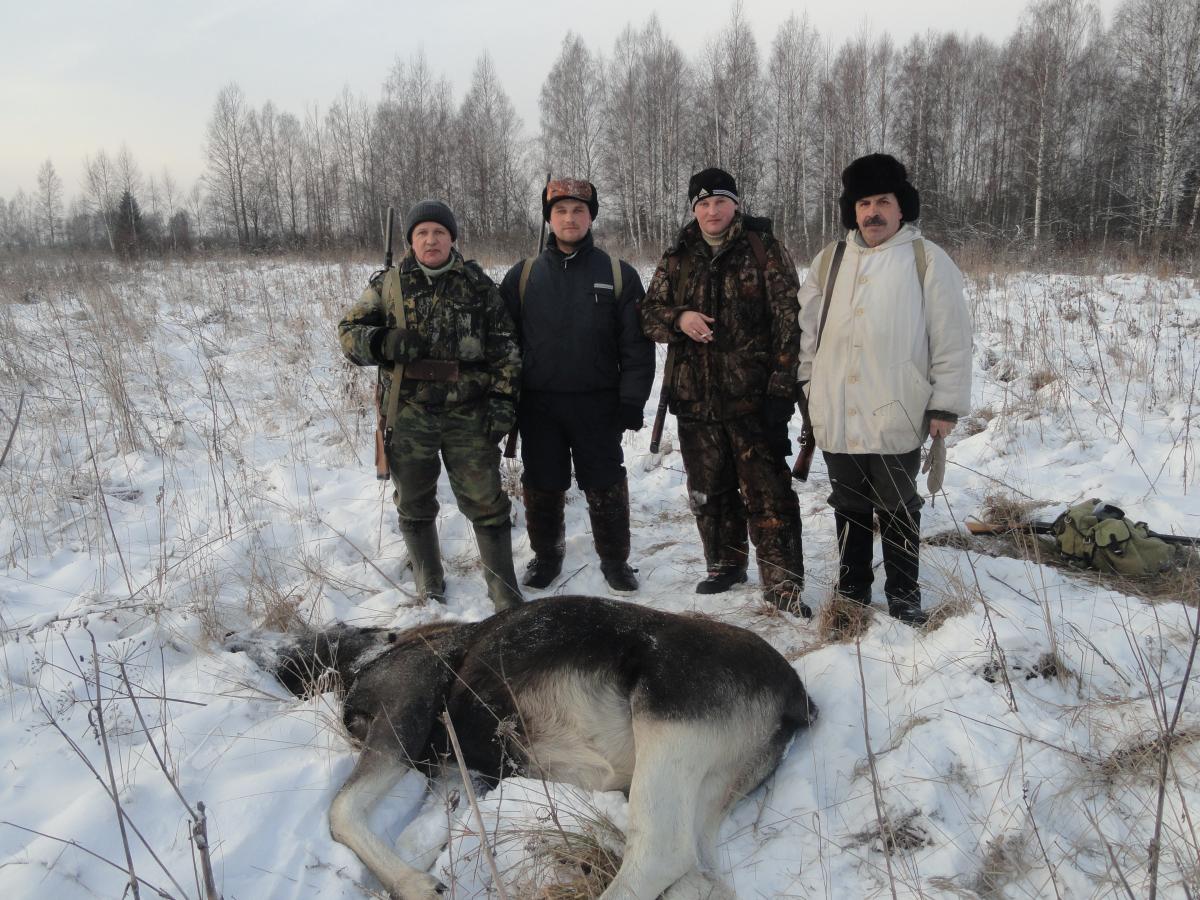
<point>510,444</point>
<point>808,443</point>
<point>381,463</point>
<point>664,400</point>
<point>975,527</point>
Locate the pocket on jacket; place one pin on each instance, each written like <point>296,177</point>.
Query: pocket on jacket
<point>903,418</point>
<point>466,323</point>
<point>602,339</point>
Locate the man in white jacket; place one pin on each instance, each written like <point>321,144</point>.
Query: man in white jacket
<point>885,361</point>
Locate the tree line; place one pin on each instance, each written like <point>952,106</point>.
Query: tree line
<point>1066,133</point>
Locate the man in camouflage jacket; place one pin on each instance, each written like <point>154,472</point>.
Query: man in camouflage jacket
<point>450,368</point>
<point>724,300</point>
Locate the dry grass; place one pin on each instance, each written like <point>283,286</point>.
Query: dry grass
<point>842,620</point>
<point>1140,755</point>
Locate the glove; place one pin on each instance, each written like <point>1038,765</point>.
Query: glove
<point>630,417</point>
<point>777,413</point>
<point>399,345</point>
<point>778,410</point>
<point>501,416</point>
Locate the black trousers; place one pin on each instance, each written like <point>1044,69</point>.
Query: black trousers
<point>863,482</point>
<point>561,429</point>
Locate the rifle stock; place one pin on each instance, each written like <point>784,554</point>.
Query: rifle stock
<point>804,458</point>
<point>664,401</point>
<point>381,464</point>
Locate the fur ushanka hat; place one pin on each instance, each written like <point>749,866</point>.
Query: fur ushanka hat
<point>877,173</point>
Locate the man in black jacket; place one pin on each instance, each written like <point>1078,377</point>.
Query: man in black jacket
<point>586,375</point>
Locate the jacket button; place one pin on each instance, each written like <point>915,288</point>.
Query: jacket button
<point>863,280</point>
<point>858,312</point>
<point>852,412</point>
<point>853,379</point>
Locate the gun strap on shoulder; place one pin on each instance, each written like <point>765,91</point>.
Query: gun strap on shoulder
<point>831,261</point>
<point>526,269</point>
<point>393,399</point>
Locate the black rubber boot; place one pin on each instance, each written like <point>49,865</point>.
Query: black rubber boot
<point>608,508</point>
<point>545,525</point>
<point>718,581</point>
<point>495,554</point>
<point>855,547</point>
<point>901,535</point>
<point>425,557</point>
<point>619,575</point>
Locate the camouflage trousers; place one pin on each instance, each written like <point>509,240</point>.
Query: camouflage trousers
<point>735,480</point>
<point>459,435</point>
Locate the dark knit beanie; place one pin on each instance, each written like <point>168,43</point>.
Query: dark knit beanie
<point>570,189</point>
<point>430,211</point>
<point>877,173</point>
<point>711,183</point>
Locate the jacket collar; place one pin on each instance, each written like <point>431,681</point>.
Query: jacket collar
<point>691,239</point>
<point>552,247</point>
<point>906,235</point>
<point>409,264</point>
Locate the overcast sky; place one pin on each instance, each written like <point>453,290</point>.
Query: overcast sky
<point>77,76</point>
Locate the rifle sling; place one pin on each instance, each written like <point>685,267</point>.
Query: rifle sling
<point>393,404</point>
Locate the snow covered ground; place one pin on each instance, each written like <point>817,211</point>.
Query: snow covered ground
<point>193,457</point>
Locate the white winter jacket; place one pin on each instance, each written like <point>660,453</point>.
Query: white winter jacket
<point>889,352</point>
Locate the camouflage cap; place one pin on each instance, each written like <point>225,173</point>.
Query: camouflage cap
<point>570,189</point>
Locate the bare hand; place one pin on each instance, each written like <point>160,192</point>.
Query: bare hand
<point>940,428</point>
<point>697,326</point>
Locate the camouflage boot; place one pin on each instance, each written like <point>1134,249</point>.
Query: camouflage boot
<point>901,535</point>
<point>721,522</point>
<point>608,508</point>
<point>544,523</point>
<point>856,541</point>
<point>495,554</point>
<point>425,557</point>
<point>781,565</point>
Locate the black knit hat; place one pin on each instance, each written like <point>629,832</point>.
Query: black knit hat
<point>877,173</point>
<point>570,189</point>
<point>709,183</point>
<point>430,211</point>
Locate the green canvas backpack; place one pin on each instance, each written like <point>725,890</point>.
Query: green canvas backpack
<point>1098,535</point>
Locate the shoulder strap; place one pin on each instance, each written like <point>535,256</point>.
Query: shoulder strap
<point>830,279</point>
<point>760,252</point>
<point>922,261</point>
<point>679,267</point>
<point>393,399</point>
<point>526,268</point>
<point>616,269</point>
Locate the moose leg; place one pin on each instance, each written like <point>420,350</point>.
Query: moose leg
<point>375,776</point>
<point>660,846</point>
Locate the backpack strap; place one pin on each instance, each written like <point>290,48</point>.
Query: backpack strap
<point>526,268</point>
<point>760,251</point>
<point>922,262</point>
<point>617,280</point>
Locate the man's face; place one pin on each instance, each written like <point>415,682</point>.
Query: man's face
<point>431,244</point>
<point>570,221</point>
<point>714,214</point>
<point>878,218</point>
